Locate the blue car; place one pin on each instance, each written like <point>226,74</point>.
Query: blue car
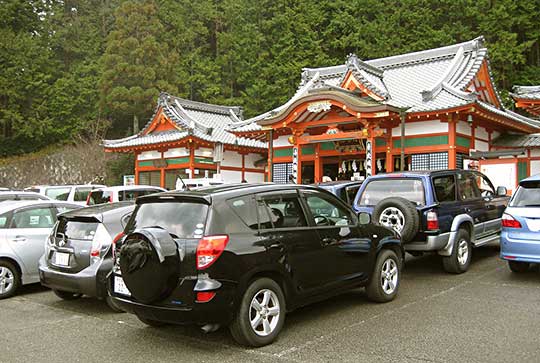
<point>520,239</point>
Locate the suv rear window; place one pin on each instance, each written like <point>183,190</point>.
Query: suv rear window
<point>181,219</point>
<point>527,195</point>
<point>77,229</point>
<point>379,189</point>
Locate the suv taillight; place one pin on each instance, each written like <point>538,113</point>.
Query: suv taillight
<point>115,240</point>
<point>209,249</point>
<point>432,221</point>
<point>509,221</point>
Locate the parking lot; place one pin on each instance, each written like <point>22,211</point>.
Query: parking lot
<point>486,314</point>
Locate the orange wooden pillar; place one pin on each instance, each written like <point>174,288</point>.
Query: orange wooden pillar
<point>270,163</point>
<point>389,146</point>
<point>191,159</point>
<point>299,164</point>
<point>318,164</point>
<point>452,121</point>
<point>136,169</point>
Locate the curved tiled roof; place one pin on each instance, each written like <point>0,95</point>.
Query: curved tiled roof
<point>204,121</point>
<point>526,92</point>
<point>424,81</point>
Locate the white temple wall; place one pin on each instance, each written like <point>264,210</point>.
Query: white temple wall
<point>420,128</point>
<point>231,158</point>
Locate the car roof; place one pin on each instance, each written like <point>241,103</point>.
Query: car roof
<point>19,192</point>
<point>226,191</point>
<point>336,183</point>
<point>6,207</point>
<point>531,178</point>
<point>100,211</point>
<point>127,187</point>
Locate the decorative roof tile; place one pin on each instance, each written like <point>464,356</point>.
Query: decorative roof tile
<point>526,92</point>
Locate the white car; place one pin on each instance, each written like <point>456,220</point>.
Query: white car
<point>18,195</point>
<point>183,184</point>
<point>24,228</point>
<point>77,194</point>
<point>121,193</point>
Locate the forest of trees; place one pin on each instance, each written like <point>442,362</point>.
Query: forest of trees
<point>75,69</point>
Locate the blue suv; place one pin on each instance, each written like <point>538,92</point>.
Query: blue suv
<point>444,211</point>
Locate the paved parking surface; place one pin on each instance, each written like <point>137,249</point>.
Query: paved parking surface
<point>487,314</point>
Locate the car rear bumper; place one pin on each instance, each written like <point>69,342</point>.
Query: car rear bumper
<point>525,250</point>
<point>432,243</point>
<point>219,310</point>
<point>91,281</point>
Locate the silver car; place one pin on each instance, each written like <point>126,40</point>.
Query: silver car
<point>78,255</point>
<point>24,228</point>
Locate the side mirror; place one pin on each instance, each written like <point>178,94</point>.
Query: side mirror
<point>501,191</point>
<point>364,218</point>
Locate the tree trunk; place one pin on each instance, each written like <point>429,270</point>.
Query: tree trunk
<point>135,124</point>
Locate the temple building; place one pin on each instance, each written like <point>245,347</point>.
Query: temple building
<point>190,139</point>
<point>431,109</point>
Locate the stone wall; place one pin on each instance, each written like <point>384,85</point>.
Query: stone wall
<point>69,165</point>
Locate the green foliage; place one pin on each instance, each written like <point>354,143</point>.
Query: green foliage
<point>69,66</point>
<point>121,165</point>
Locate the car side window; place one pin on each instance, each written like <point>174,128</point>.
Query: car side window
<point>485,186</point>
<point>284,210</point>
<point>64,208</point>
<point>3,221</point>
<point>325,212</point>
<point>445,188</point>
<point>81,194</point>
<point>351,194</point>
<point>468,189</point>
<point>33,218</point>
<point>244,207</point>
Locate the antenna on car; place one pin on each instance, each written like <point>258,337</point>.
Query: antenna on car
<point>182,180</point>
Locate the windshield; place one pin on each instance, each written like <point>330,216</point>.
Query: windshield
<point>180,219</point>
<point>527,195</point>
<point>377,190</point>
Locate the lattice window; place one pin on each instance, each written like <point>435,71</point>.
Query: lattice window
<point>459,160</point>
<point>432,161</point>
<point>281,172</point>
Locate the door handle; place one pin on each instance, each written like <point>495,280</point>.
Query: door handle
<point>19,239</point>
<point>329,240</point>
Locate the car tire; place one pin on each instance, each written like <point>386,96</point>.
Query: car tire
<point>518,267</point>
<point>150,322</point>
<point>67,295</point>
<point>261,314</point>
<point>384,283</point>
<point>398,214</point>
<point>10,279</point>
<point>111,304</point>
<point>460,259</point>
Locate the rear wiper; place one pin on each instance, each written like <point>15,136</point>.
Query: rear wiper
<point>531,205</point>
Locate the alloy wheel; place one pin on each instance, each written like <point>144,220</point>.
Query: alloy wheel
<point>463,252</point>
<point>6,280</point>
<point>264,312</point>
<point>393,218</point>
<point>389,276</point>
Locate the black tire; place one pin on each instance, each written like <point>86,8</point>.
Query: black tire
<point>457,263</point>
<point>10,279</point>
<point>518,267</point>
<point>379,288</point>
<point>67,295</point>
<point>241,328</point>
<point>150,322</point>
<point>113,306</point>
<point>406,224</point>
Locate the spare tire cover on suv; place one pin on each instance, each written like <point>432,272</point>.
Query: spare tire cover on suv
<point>398,214</point>
<point>150,264</point>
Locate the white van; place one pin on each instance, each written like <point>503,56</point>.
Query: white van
<point>70,193</point>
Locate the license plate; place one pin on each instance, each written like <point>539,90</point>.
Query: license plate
<point>120,286</point>
<point>533,224</point>
<point>61,259</point>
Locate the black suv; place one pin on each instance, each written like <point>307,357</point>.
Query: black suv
<point>244,255</point>
<point>447,211</point>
